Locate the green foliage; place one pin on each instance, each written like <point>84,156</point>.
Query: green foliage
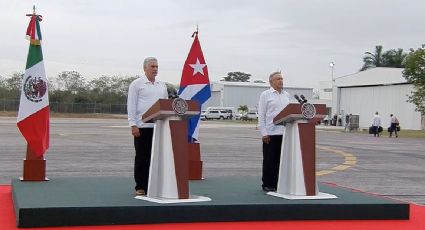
<point>243,108</point>
<point>390,58</point>
<point>394,58</point>
<point>237,77</point>
<point>15,81</point>
<point>172,90</point>
<point>10,87</point>
<point>2,82</point>
<point>109,89</point>
<point>71,81</point>
<point>71,87</point>
<point>414,72</point>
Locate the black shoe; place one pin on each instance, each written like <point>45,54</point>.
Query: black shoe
<point>269,189</point>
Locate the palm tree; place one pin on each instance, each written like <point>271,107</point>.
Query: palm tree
<point>373,59</point>
<point>243,108</point>
<point>394,58</point>
<point>391,58</point>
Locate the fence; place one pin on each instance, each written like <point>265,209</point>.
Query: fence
<point>59,107</point>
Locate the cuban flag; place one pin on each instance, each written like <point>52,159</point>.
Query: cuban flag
<point>195,84</point>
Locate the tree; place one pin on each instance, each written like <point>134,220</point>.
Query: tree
<point>394,58</point>
<point>373,59</point>
<point>15,81</point>
<point>71,81</point>
<point>414,72</point>
<point>2,82</point>
<point>243,108</point>
<point>390,58</point>
<point>237,77</point>
<point>11,87</point>
<point>172,90</point>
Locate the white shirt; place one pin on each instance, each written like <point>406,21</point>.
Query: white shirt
<point>376,120</point>
<point>270,104</point>
<point>142,94</point>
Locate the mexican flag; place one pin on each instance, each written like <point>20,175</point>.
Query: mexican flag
<point>33,116</point>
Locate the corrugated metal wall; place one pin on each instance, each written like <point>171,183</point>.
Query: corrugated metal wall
<point>365,101</point>
<point>213,101</point>
<point>235,96</point>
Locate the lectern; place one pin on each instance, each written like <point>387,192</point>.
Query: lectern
<point>297,171</point>
<point>168,173</point>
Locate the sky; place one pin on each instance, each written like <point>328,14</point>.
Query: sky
<point>299,37</point>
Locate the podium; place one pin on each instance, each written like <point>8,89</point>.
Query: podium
<point>297,171</point>
<point>168,173</point>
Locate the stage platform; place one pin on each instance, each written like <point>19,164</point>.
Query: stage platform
<point>110,201</point>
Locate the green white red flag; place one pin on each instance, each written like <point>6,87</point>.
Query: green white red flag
<point>33,116</point>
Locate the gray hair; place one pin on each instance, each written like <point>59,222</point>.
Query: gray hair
<point>274,73</point>
<point>149,59</point>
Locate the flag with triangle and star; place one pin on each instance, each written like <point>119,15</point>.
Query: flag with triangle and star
<point>195,84</point>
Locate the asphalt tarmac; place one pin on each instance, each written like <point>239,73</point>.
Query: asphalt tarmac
<point>393,167</point>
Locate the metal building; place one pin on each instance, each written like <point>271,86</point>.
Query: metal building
<point>382,90</point>
<point>235,94</point>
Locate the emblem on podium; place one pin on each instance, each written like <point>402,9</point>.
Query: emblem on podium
<point>179,106</point>
<point>308,110</point>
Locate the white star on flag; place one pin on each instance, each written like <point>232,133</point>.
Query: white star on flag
<point>198,67</point>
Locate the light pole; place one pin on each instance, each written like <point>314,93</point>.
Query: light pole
<point>331,65</point>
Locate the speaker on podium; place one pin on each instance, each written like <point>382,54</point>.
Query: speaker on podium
<point>169,170</point>
<point>297,171</point>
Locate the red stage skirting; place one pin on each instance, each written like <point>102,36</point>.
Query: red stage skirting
<point>416,222</point>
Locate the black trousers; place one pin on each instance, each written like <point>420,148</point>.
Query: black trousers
<point>393,128</point>
<point>271,161</point>
<point>375,131</point>
<point>142,161</point>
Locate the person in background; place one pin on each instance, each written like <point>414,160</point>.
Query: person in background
<point>326,120</point>
<point>393,125</point>
<point>376,123</point>
<point>142,94</point>
<point>271,102</point>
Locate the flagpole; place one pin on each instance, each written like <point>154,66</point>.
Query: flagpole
<point>196,31</point>
<point>34,166</point>
<point>195,162</point>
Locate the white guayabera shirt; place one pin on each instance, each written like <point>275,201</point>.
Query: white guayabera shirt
<point>270,104</point>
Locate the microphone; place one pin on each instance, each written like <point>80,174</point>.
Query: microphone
<point>298,99</point>
<point>304,99</point>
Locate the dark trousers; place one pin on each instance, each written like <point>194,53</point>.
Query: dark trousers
<point>393,128</point>
<point>375,131</point>
<point>271,161</point>
<point>142,161</point>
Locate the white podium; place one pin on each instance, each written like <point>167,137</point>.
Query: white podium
<point>297,171</point>
<point>169,170</point>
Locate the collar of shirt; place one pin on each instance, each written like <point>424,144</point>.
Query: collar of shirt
<point>275,91</point>
<point>146,80</point>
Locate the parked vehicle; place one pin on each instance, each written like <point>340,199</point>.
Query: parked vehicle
<point>218,114</point>
<point>203,115</point>
<point>250,116</point>
<point>238,116</point>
